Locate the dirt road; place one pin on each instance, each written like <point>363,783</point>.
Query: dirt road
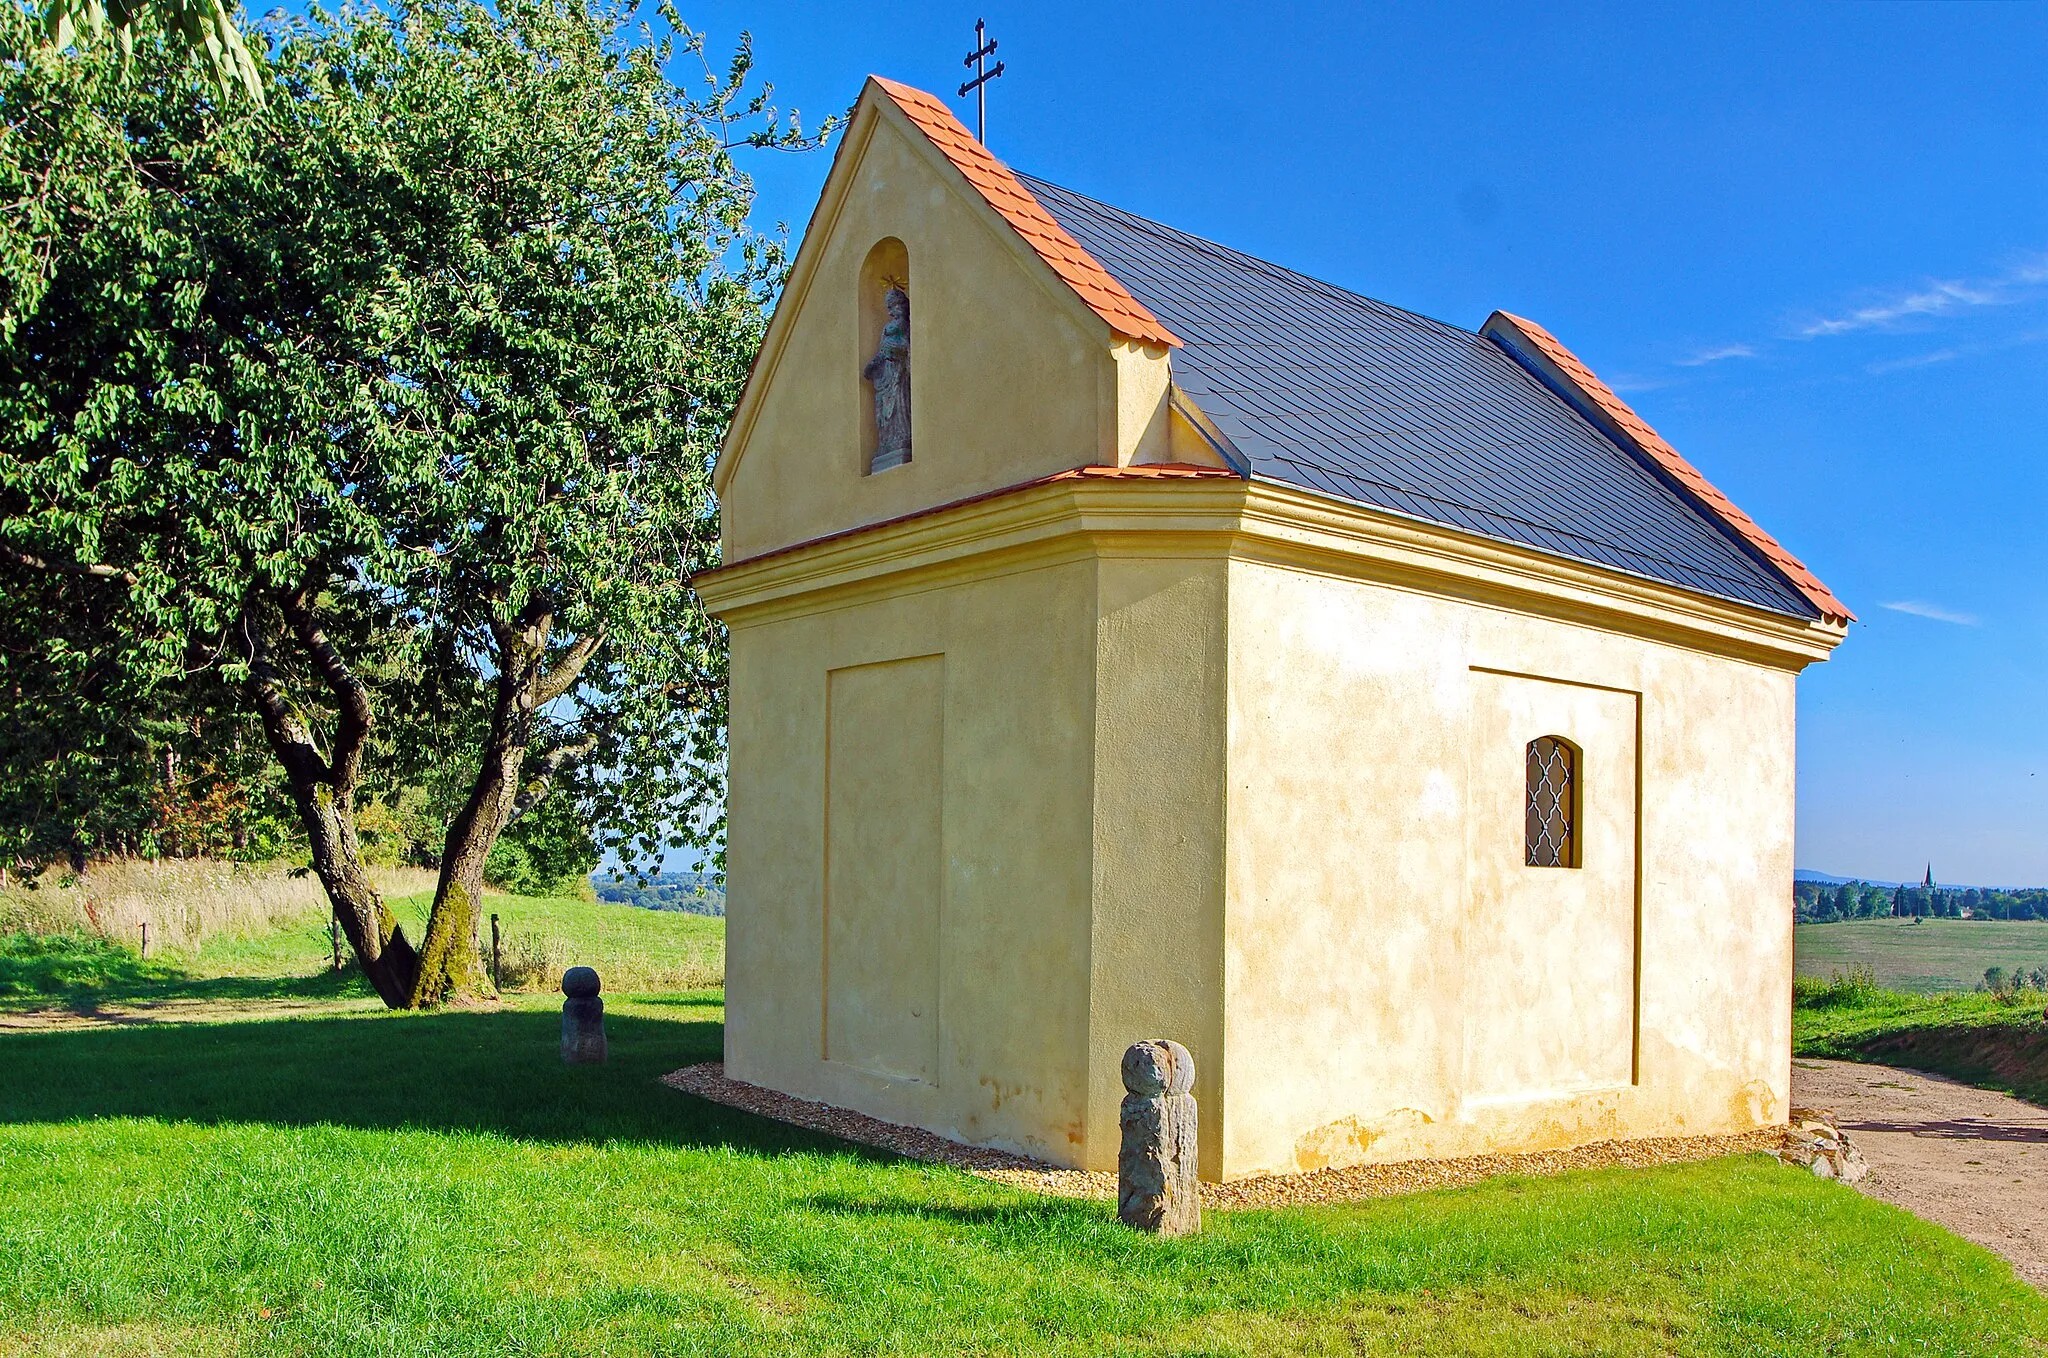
<point>1974,1161</point>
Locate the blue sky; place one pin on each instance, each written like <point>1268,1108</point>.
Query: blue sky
<point>1809,244</point>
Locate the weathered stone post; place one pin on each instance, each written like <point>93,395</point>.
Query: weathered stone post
<point>1156,1187</point>
<point>582,1018</point>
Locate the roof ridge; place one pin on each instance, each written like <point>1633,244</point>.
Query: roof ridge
<point>1000,187</point>
<point>1270,266</point>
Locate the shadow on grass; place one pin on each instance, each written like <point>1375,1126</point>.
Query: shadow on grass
<point>82,973</point>
<point>488,1070</point>
<point>976,1215</point>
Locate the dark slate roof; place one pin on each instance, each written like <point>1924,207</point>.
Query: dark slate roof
<point>1322,388</point>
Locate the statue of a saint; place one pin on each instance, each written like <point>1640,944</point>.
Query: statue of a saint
<point>888,372</point>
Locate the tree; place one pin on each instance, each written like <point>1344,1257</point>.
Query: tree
<point>391,410</point>
<point>194,28</point>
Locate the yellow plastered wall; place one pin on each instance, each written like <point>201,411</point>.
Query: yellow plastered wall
<point>1144,429</point>
<point>1156,964</point>
<point>1018,784</point>
<point>1399,983</point>
<point>962,743</point>
<point>1012,376</point>
<point>1072,718</point>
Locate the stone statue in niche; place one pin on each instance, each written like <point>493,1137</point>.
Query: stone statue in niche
<point>888,372</point>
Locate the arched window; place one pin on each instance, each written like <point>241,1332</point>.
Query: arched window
<point>1552,808</point>
<point>884,356</point>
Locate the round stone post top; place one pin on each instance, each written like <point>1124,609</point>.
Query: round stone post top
<point>1158,1066</point>
<point>580,983</point>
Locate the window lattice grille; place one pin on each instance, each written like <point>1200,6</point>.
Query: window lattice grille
<point>1552,804</point>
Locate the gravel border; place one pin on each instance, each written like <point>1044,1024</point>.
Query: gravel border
<point>1353,1184</point>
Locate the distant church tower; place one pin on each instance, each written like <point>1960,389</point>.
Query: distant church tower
<point>1929,883</point>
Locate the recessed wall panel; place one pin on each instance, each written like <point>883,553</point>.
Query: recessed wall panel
<point>884,866</point>
<point>1550,952</point>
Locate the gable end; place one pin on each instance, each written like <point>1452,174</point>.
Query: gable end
<point>992,179</point>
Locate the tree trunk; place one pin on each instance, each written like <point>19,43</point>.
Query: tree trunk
<point>451,957</point>
<point>380,945</point>
<point>449,963</point>
<point>323,789</point>
<point>451,960</point>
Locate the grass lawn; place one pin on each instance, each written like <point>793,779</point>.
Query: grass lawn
<point>632,949</point>
<point>352,1182</point>
<point>1977,1038</point>
<point>1930,955</point>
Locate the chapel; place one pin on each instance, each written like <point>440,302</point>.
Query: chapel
<point>1131,638</point>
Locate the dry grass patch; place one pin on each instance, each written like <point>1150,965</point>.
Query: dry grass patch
<point>186,902</point>
<point>124,1341</point>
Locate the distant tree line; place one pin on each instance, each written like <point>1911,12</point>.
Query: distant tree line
<point>158,786</point>
<point>694,893</point>
<point>1825,903</point>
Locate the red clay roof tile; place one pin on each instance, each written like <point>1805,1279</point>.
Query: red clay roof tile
<point>1653,446</point>
<point>1105,296</point>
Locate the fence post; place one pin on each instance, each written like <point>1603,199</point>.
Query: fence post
<point>334,940</point>
<point>497,969</point>
<point>145,938</point>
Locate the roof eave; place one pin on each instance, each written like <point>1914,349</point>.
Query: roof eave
<point>1564,373</point>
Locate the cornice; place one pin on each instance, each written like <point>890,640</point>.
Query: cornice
<point>1065,520</point>
<point>1287,526</point>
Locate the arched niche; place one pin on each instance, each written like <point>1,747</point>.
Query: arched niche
<point>886,269</point>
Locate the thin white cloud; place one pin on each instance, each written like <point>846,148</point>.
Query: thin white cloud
<point>1934,611</point>
<point>1936,300</point>
<point>1892,365</point>
<point>1706,356</point>
<point>1940,297</point>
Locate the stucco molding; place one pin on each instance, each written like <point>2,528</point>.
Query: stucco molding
<point>1291,527</point>
<point>1260,522</point>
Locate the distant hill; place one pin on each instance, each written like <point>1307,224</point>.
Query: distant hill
<point>692,893</point>
<point>1829,879</point>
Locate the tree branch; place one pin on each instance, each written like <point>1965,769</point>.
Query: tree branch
<point>564,675</point>
<point>535,789</point>
<point>288,734</point>
<point>350,694</point>
<point>95,569</point>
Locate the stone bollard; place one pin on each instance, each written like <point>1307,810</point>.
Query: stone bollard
<point>1156,1187</point>
<point>582,1018</point>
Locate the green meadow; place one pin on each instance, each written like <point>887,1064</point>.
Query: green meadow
<point>1923,955</point>
<point>1994,1040</point>
<point>288,1170</point>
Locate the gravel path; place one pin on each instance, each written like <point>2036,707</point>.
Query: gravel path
<point>1972,1160</point>
<point>1281,1190</point>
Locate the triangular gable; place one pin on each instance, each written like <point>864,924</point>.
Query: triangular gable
<point>1106,297</point>
<point>987,180</point>
<point>1563,371</point>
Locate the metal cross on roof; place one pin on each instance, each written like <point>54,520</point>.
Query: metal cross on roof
<point>984,48</point>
